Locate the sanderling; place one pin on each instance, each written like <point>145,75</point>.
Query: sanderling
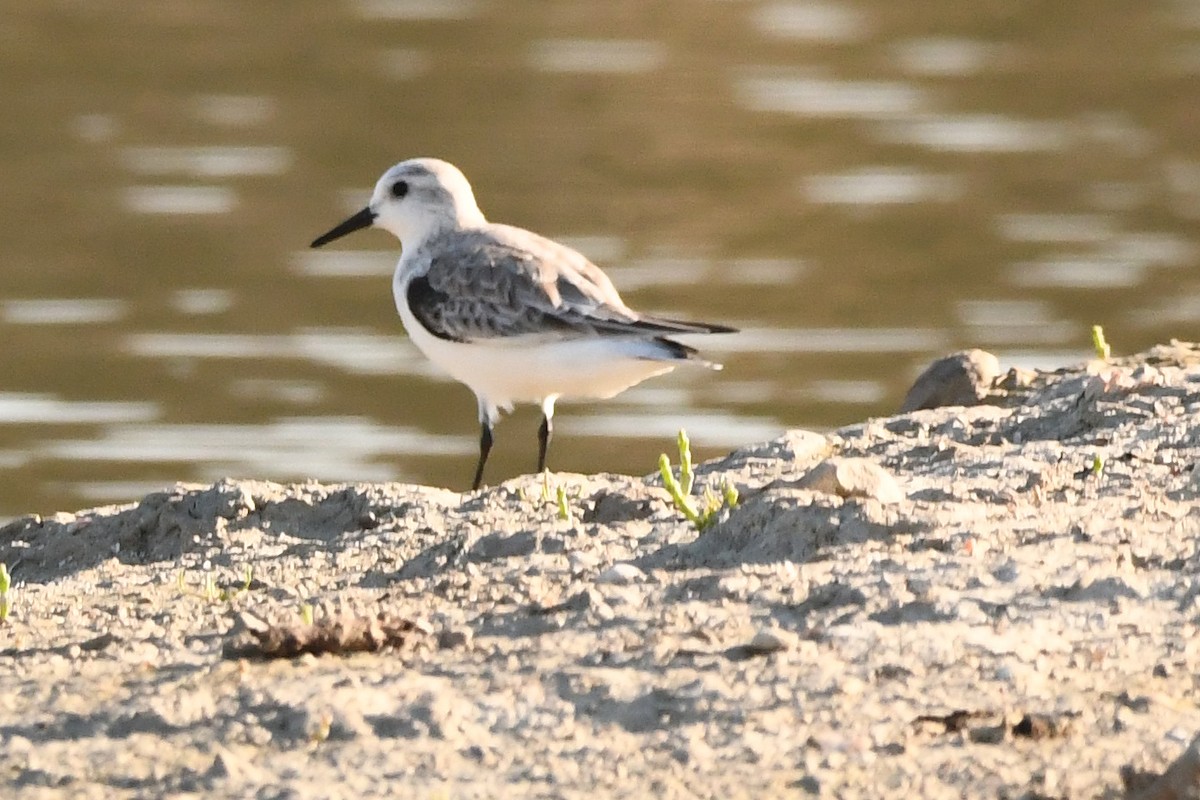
<point>515,316</point>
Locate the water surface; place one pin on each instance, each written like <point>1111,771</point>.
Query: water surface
<point>862,186</point>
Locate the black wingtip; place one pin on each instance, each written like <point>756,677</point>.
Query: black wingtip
<point>677,349</point>
<point>710,328</point>
<point>681,326</point>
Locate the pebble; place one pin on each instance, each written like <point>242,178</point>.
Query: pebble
<point>959,379</point>
<point>770,640</point>
<point>853,477</point>
<point>621,574</point>
<point>582,562</point>
<point>454,638</point>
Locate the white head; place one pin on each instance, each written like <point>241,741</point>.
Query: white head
<point>413,200</point>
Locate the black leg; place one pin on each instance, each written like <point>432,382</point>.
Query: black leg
<point>544,433</point>
<point>485,447</point>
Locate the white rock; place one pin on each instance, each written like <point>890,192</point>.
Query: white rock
<point>853,477</point>
<point>621,574</point>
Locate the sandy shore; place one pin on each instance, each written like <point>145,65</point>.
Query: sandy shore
<point>997,601</point>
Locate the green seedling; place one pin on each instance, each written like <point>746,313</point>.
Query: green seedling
<point>564,507</point>
<point>681,489</point>
<point>306,613</point>
<point>1103,351</point>
<point>730,493</point>
<point>1097,465</point>
<point>5,585</point>
<point>556,493</point>
<point>209,589</point>
<point>321,728</point>
<point>687,478</point>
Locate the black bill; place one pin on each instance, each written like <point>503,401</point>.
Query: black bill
<point>362,219</point>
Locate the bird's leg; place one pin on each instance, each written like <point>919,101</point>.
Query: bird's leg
<point>546,430</point>
<point>485,447</point>
<point>487,417</point>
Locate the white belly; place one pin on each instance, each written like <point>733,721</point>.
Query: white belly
<point>507,371</point>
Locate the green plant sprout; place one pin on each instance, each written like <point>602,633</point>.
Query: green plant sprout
<point>321,729</point>
<point>5,585</point>
<point>730,493</point>
<point>1103,351</point>
<point>1097,465</point>
<point>564,507</point>
<point>209,589</point>
<point>306,613</point>
<point>556,493</point>
<point>681,489</point>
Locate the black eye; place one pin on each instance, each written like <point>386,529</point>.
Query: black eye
<point>399,189</point>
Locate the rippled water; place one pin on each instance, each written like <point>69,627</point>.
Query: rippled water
<point>861,186</point>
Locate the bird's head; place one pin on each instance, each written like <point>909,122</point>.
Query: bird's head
<point>412,201</point>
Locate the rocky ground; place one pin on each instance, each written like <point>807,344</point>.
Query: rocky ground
<point>993,601</point>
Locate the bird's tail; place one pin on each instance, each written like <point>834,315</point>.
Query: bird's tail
<point>678,351</point>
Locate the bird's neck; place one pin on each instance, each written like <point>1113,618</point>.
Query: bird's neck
<point>461,220</point>
<point>469,217</point>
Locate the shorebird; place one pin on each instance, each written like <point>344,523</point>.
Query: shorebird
<point>515,316</point>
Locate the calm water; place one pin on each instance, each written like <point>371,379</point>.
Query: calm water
<point>859,185</point>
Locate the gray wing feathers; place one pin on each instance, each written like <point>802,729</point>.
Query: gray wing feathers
<point>505,282</point>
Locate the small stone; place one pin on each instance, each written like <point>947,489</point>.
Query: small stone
<point>581,562</point>
<point>834,760</point>
<point>770,640</point>
<point>368,520</point>
<point>228,766</point>
<point>853,477</point>
<point>219,769</point>
<point>919,586</point>
<point>621,574</point>
<point>1042,726</point>
<point>501,545</point>
<point>734,585</point>
<point>602,611</point>
<point>988,734</point>
<point>608,507</point>
<point>455,638</point>
<point>959,379</point>
<point>1181,735</point>
<point>808,784</point>
<point>1007,572</point>
<point>17,745</point>
<point>105,639</point>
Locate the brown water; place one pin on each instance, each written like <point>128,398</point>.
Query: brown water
<point>861,186</point>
